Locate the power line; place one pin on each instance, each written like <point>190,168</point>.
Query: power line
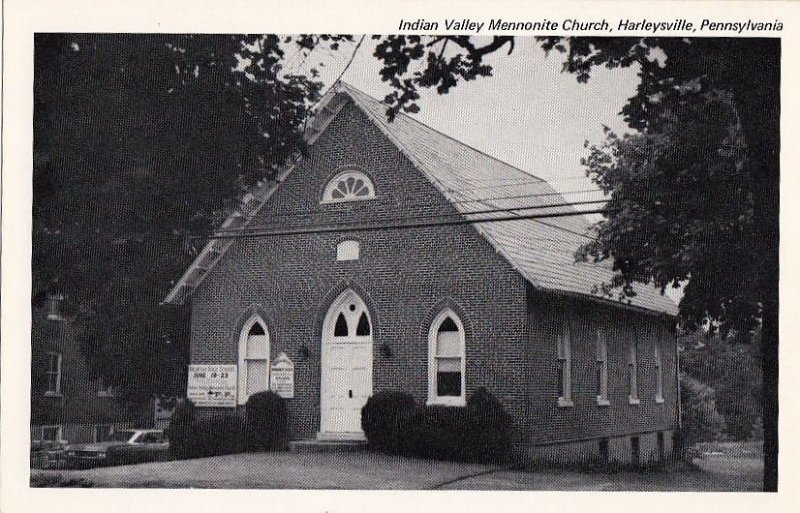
<point>453,214</point>
<point>564,229</point>
<point>392,226</point>
<point>407,206</point>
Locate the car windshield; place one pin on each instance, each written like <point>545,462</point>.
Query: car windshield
<point>122,436</point>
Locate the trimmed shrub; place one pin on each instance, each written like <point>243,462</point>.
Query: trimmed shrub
<point>480,432</point>
<point>383,416</point>
<point>218,435</point>
<point>181,431</point>
<point>266,425</point>
<point>437,432</point>
<point>190,437</point>
<point>491,437</point>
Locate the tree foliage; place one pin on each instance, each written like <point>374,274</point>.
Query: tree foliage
<point>140,142</point>
<point>731,368</point>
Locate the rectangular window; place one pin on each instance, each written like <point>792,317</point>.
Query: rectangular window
<point>103,432</point>
<point>633,371</point>
<point>53,374</point>
<point>448,364</point>
<point>602,368</point>
<point>635,453</point>
<point>564,364</point>
<point>659,375</point>
<point>51,433</point>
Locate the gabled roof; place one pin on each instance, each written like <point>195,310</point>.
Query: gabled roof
<point>541,250</point>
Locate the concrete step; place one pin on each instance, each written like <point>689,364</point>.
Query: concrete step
<point>301,446</point>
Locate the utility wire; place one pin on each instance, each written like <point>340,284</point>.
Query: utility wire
<point>562,228</point>
<point>393,226</point>
<point>434,217</point>
<point>307,215</point>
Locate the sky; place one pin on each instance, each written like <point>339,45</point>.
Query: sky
<point>528,114</point>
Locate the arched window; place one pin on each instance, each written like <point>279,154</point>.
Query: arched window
<point>446,361</point>
<point>351,317</point>
<point>253,359</point>
<point>349,186</point>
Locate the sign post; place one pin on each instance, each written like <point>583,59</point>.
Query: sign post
<point>212,385</point>
<point>281,376</point>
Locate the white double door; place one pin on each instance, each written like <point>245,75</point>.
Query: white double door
<point>346,385</point>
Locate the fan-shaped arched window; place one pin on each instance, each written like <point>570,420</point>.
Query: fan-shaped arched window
<point>446,362</point>
<point>253,359</point>
<point>349,186</point>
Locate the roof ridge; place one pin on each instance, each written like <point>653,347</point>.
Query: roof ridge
<point>462,143</point>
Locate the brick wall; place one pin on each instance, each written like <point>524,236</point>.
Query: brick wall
<point>547,422</point>
<point>406,277</point>
<point>78,408</point>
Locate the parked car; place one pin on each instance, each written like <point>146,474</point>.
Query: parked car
<point>125,446</point>
<point>46,453</point>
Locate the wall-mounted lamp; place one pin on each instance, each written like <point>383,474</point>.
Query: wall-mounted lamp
<point>386,350</point>
<point>303,352</point>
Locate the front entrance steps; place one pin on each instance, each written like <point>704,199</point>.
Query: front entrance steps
<point>304,446</point>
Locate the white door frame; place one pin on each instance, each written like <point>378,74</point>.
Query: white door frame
<point>342,305</point>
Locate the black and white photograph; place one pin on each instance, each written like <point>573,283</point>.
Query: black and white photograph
<point>474,254</point>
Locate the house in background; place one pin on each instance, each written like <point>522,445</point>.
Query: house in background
<point>67,405</point>
<point>393,257</point>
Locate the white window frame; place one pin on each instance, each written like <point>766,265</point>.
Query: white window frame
<point>564,362</point>
<point>243,395</point>
<point>59,431</point>
<point>49,372</point>
<point>348,250</point>
<point>601,358</point>
<point>327,195</point>
<point>659,368</point>
<point>433,397</point>
<point>633,372</point>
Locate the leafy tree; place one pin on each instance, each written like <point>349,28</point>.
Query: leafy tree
<point>140,142</point>
<point>694,194</point>
<point>731,367</point>
<point>699,408</point>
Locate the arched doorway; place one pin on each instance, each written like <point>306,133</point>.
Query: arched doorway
<point>346,367</point>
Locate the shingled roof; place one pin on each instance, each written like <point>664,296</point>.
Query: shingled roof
<point>541,250</point>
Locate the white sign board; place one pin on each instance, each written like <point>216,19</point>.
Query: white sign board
<point>281,376</point>
<point>212,385</point>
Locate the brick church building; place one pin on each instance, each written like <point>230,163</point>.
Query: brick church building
<point>364,264</point>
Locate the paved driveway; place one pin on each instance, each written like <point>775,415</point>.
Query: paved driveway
<point>354,470</point>
<point>371,471</point>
